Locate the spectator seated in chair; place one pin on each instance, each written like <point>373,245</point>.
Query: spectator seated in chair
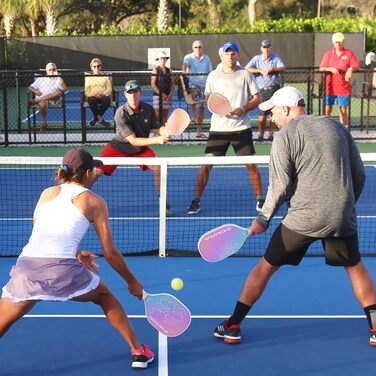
<point>46,89</point>
<point>98,92</point>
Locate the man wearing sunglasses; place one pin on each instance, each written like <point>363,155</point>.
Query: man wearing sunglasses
<point>46,89</point>
<point>266,68</point>
<point>193,63</point>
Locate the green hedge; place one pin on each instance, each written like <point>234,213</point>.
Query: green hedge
<point>285,24</point>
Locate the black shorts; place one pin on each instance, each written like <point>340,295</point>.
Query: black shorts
<point>219,142</point>
<point>289,247</point>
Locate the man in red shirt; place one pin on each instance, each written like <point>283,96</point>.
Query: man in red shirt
<point>339,63</point>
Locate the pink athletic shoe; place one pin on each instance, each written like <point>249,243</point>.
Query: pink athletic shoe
<point>141,358</point>
<point>372,337</point>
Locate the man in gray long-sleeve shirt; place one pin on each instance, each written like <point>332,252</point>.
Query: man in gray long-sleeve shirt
<point>315,167</point>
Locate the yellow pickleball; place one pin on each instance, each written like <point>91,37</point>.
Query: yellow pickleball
<point>177,284</point>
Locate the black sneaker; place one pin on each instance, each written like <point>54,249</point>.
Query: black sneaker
<point>141,358</point>
<point>270,138</point>
<point>260,138</point>
<point>229,334</point>
<point>260,204</point>
<point>194,208</point>
<point>372,337</point>
<point>92,122</point>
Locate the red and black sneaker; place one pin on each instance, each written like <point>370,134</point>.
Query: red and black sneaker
<point>141,358</point>
<point>372,337</point>
<point>230,334</point>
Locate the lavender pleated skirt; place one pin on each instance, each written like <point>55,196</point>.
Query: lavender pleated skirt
<point>57,279</point>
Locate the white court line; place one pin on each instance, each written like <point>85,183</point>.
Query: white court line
<point>211,316</point>
<point>162,355</point>
<point>180,218</point>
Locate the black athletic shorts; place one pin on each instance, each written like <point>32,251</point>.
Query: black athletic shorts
<point>219,142</point>
<point>289,247</point>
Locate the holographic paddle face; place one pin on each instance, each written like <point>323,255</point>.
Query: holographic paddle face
<point>221,242</point>
<point>218,104</point>
<point>177,122</point>
<point>166,313</point>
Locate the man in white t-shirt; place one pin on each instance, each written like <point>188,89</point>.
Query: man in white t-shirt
<point>234,129</point>
<point>46,89</point>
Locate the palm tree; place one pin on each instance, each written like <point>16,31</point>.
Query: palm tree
<point>11,10</point>
<point>32,9</point>
<point>252,11</point>
<point>50,8</point>
<point>162,21</point>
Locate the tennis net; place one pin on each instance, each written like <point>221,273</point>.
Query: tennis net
<point>138,214</point>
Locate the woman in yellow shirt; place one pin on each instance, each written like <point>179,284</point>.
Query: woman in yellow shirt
<point>98,91</point>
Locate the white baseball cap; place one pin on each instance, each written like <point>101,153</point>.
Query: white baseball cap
<point>287,96</point>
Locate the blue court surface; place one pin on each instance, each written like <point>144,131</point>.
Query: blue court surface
<point>307,323</point>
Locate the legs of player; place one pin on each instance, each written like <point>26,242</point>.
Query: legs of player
<point>255,178</point>
<point>11,312</point>
<point>157,176</point>
<point>256,282</point>
<point>362,284</point>
<point>200,120</point>
<point>252,289</point>
<point>113,311</point>
<point>364,291</point>
<point>201,181</point>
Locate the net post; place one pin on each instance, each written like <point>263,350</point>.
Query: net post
<point>162,209</point>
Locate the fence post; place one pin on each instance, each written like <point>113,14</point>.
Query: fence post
<point>5,109</point>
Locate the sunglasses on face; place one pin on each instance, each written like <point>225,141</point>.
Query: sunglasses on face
<point>97,66</point>
<point>197,47</point>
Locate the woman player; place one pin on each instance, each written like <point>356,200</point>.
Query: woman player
<point>51,268</point>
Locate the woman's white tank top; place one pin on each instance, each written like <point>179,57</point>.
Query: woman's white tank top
<point>60,226</point>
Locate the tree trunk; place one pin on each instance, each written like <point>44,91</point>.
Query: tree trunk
<point>162,16</point>
<point>33,24</point>
<point>252,11</point>
<point>8,26</point>
<point>213,13</point>
<point>51,22</point>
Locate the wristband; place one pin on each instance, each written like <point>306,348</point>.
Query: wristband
<point>243,110</point>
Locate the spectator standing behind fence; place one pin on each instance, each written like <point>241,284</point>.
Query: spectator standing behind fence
<point>267,68</point>
<point>47,88</point>
<point>338,63</point>
<point>162,82</point>
<point>98,92</point>
<point>197,62</point>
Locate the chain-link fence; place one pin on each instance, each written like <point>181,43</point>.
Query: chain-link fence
<point>68,117</point>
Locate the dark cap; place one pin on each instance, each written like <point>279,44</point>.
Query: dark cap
<point>230,45</point>
<point>79,159</point>
<point>132,85</point>
<point>266,43</point>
